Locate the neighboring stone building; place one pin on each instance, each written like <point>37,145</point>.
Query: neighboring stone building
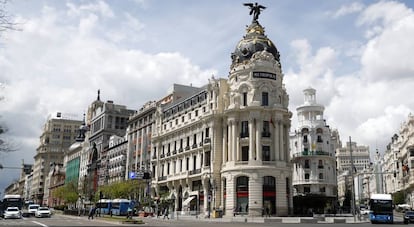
<point>313,147</point>
<point>226,146</point>
<point>54,180</point>
<point>400,160</point>
<point>58,134</point>
<point>361,161</point>
<point>106,119</point>
<point>390,166</point>
<point>117,156</point>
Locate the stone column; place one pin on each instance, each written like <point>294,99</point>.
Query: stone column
<point>255,195</point>
<point>259,127</point>
<point>281,147</point>
<point>281,196</point>
<point>276,151</point>
<point>225,143</point>
<point>252,147</point>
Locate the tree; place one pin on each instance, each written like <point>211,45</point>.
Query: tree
<point>5,24</point>
<point>5,19</point>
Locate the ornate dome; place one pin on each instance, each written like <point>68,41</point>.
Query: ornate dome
<point>254,41</point>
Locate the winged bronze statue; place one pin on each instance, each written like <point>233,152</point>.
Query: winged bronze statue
<point>255,9</point>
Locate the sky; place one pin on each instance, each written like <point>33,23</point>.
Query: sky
<point>356,54</point>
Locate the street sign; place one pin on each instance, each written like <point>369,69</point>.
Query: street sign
<point>132,175</point>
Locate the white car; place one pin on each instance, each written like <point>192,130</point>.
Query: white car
<point>364,211</point>
<point>33,208</point>
<point>43,212</point>
<point>12,212</point>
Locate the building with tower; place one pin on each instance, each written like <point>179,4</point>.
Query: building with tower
<point>58,134</point>
<point>313,146</point>
<point>106,119</point>
<point>226,145</point>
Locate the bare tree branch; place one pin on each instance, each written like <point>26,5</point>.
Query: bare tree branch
<point>6,22</point>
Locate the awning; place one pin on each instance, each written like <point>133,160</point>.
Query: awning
<point>188,200</point>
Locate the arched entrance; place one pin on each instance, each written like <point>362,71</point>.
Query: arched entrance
<point>242,193</point>
<point>269,195</point>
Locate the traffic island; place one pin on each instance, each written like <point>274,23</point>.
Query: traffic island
<point>132,221</point>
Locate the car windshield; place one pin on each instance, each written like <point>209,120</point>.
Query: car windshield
<point>409,212</point>
<point>43,208</point>
<point>12,209</point>
<point>33,207</point>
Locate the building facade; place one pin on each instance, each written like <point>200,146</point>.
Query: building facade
<point>117,156</point>
<point>106,119</point>
<point>58,134</point>
<point>313,146</point>
<point>226,146</point>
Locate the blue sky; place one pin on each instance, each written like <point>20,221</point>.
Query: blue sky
<point>356,54</point>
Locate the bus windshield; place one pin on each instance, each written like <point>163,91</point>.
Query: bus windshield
<point>381,206</point>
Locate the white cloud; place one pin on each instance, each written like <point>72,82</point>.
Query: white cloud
<point>385,55</point>
<point>348,9</point>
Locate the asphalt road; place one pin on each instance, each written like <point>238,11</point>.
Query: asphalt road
<point>65,220</point>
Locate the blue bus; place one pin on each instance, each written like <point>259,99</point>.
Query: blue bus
<point>104,206</point>
<point>381,208</point>
<point>120,206</point>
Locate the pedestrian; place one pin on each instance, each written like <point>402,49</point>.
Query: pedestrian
<point>91,212</point>
<point>234,211</point>
<point>166,213</point>
<point>129,213</point>
<point>267,212</point>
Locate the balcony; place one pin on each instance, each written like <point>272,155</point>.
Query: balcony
<point>196,171</point>
<point>311,153</point>
<point>174,152</point>
<point>207,140</point>
<point>187,148</point>
<point>194,146</point>
<point>244,135</point>
<point>201,143</point>
<point>266,134</point>
<point>168,154</point>
<point>162,155</point>
<point>180,150</point>
<point>162,178</point>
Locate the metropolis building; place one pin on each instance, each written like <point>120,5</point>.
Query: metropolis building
<point>226,145</point>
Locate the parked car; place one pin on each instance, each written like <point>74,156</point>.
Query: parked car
<point>33,208</point>
<point>364,211</point>
<point>42,212</point>
<point>12,212</point>
<point>408,217</point>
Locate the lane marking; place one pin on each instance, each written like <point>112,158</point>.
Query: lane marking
<point>38,223</point>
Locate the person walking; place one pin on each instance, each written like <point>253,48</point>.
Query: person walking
<point>91,212</point>
<point>166,213</point>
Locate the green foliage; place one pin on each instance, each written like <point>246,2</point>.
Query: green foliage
<point>398,197</point>
<point>68,192</point>
<point>124,189</point>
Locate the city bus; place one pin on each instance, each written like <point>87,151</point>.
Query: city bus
<point>381,208</point>
<point>120,206</point>
<point>13,201</point>
<point>104,206</point>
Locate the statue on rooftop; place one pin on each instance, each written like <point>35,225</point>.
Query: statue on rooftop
<point>255,9</point>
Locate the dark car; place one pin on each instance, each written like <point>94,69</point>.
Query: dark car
<point>408,217</point>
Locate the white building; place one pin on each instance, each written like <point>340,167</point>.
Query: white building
<point>226,146</point>
<point>313,146</point>
<point>117,156</point>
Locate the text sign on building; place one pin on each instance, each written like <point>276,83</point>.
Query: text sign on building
<point>264,75</point>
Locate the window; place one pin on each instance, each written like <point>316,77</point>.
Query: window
<point>265,99</point>
<point>320,164</point>
<point>266,153</point>
<point>266,129</point>
<point>245,153</point>
<point>244,129</point>
<point>322,189</point>
<point>208,158</point>
<point>244,99</point>
<point>306,189</point>
<point>320,176</point>
<point>187,164</point>
<point>306,176</point>
<point>307,164</point>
